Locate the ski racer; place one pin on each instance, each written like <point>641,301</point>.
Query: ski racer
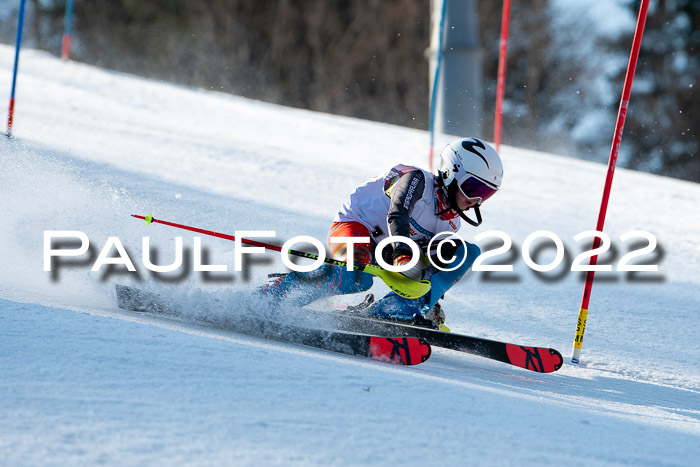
<point>410,202</point>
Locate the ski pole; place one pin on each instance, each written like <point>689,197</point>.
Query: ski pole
<point>397,282</point>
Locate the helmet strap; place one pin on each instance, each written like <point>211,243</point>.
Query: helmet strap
<point>477,212</point>
<point>443,206</point>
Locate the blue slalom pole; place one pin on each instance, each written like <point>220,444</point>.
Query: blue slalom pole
<point>11,111</point>
<point>65,51</point>
<point>433,98</point>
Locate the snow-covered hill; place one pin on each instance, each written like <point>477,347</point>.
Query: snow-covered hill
<point>82,381</point>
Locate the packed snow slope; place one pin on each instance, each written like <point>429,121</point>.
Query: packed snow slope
<point>83,382</point>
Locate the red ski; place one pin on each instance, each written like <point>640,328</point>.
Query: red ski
<point>399,350</point>
<point>538,359</point>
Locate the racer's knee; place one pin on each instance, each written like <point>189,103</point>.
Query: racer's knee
<point>473,252</point>
<point>466,257</point>
<point>444,279</point>
<point>352,281</point>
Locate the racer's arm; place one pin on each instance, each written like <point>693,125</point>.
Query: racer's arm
<point>404,195</point>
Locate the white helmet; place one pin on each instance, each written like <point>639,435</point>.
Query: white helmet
<point>473,167</point>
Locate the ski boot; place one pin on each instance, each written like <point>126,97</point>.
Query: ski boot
<point>435,318</point>
<point>276,289</point>
<point>360,308</point>
<point>394,308</point>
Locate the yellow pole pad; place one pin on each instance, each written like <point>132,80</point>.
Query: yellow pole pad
<point>580,327</point>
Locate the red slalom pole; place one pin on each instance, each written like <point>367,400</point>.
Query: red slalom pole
<point>501,74</point>
<point>617,138</point>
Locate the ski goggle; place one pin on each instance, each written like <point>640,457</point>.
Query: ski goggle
<point>473,187</point>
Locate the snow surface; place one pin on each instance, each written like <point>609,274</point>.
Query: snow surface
<point>83,382</point>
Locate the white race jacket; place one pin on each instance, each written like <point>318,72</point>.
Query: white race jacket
<point>402,202</point>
